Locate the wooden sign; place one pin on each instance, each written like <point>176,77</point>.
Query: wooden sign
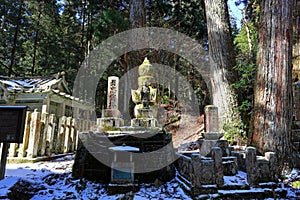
<point>12,123</point>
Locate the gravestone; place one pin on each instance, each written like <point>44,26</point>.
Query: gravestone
<point>113,92</point>
<point>211,118</point>
<point>111,116</point>
<point>211,138</point>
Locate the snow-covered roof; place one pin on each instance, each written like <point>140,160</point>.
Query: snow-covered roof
<point>34,84</point>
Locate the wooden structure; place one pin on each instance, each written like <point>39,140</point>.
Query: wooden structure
<point>48,95</point>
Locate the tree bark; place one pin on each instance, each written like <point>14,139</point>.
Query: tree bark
<point>137,13</point>
<point>222,60</point>
<point>273,84</point>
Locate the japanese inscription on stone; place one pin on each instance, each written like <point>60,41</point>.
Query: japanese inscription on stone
<point>112,95</point>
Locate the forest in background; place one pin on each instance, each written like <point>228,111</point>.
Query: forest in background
<point>42,38</point>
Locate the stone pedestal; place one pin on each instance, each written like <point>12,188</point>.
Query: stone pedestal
<point>206,146</point>
<point>144,122</point>
<point>110,122</point>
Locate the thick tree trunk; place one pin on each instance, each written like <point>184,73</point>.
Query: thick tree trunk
<point>222,60</point>
<point>137,13</point>
<point>273,84</point>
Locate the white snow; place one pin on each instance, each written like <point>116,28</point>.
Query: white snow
<point>55,179</point>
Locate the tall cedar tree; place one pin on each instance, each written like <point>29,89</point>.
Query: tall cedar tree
<point>273,84</point>
<point>222,61</point>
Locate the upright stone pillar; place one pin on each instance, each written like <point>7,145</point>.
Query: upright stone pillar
<point>113,92</point>
<point>216,155</point>
<point>50,134</point>
<point>67,139</point>
<point>211,135</point>
<point>251,166</point>
<point>61,135</point>
<point>271,157</point>
<point>23,146</point>
<point>111,116</point>
<point>34,135</point>
<point>43,134</point>
<point>211,118</point>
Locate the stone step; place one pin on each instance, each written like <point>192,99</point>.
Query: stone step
<point>236,191</point>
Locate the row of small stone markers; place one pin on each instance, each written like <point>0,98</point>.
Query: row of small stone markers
<point>45,135</point>
<point>203,172</point>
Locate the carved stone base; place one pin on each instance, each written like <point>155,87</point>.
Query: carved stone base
<point>144,122</point>
<point>110,122</point>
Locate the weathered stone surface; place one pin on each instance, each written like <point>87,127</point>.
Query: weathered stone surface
<point>205,146</point>
<point>211,118</point>
<point>144,122</point>
<point>230,166</point>
<point>111,122</point>
<point>241,160</point>
<point>271,157</point>
<point>212,135</point>
<point>111,113</point>
<point>251,166</point>
<point>113,93</point>
<point>34,136</point>
<point>96,146</point>
<point>219,169</point>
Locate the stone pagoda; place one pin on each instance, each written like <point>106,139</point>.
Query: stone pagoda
<point>145,97</point>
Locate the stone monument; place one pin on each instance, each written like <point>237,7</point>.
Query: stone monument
<point>115,154</point>
<point>145,97</point>
<point>212,135</point>
<point>111,116</point>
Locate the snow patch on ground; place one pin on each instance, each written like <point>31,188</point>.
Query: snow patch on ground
<point>55,179</point>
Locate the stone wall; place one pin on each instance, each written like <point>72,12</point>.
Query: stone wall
<point>93,159</point>
<point>200,172</point>
<point>45,135</point>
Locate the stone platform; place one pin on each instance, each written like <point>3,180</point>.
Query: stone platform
<point>94,146</point>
